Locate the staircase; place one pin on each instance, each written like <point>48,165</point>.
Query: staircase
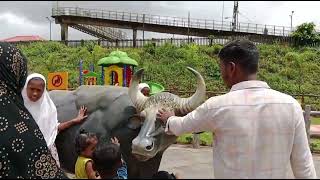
<point>104,33</point>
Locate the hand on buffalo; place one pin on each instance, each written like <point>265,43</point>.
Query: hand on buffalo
<point>163,115</point>
<point>115,141</point>
<point>81,115</point>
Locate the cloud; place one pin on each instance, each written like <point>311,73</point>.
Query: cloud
<point>29,17</point>
<point>13,25</point>
<point>12,19</point>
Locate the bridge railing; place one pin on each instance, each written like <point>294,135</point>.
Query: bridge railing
<point>173,21</point>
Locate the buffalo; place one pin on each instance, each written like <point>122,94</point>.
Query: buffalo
<point>126,114</point>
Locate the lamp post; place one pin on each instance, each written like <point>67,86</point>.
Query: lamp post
<point>50,26</point>
<point>227,17</point>
<point>291,18</point>
<point>188,26</point>
<point>222,14</point>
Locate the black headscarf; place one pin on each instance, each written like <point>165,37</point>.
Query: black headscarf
<point>23,150</point>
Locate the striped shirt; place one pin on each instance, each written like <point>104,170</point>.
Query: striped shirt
<point>258,132</point>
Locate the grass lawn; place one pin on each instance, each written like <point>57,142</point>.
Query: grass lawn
<point>315,145</point>
<point>315,121</point>
<point>205,139</point>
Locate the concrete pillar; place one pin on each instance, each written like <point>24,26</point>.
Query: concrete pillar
<point>196,141</point>
<point>134,38</point>
<point>64,32</point>
<point>307,114</point>
<point>117,43</point>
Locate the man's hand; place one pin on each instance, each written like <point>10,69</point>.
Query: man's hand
<point>164,115</point>
<point>81,115</point>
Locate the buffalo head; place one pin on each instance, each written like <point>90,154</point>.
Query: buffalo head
<point>152,138</point>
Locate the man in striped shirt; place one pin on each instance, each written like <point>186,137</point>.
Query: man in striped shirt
<point>258,131</point>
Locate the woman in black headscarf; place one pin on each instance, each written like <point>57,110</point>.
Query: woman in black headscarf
<point>23,150</point>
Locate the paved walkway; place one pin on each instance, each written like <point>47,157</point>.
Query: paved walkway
<point>197,163</point>
<point>193,163</point>
<point>315,130</point>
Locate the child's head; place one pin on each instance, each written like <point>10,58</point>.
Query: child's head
<point>163,175</point>
<point>35,88</point>
<point>86,143</point>
<point>144,88</point>
<point>107,158</point>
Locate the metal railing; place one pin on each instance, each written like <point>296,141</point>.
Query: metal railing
<point>307,113</point>
<point>128,43</point>
<point>173,21</point>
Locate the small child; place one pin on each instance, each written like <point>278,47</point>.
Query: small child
<point>165,175</point>
<point>108,162</point>
<point>85,146</point>
<point>144,88</point>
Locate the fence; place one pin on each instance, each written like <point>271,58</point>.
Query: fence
<point>304,98</point>
<point>307,114</point>
<point>128,43</point>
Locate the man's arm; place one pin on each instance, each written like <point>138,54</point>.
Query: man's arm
<point>301,157</point>
<point>198,120</point>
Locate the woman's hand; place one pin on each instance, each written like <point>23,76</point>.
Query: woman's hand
<point>81,116</point>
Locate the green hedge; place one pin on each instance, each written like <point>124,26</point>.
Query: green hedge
<point>287,69</point>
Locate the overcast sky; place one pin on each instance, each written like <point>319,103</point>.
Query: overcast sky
<point>29,17</point>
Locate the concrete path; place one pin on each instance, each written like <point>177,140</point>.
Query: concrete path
<point>197,163</point>
<point>193,163</point>
<point>315,130</point>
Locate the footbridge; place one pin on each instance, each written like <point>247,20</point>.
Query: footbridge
<point>99,23</point>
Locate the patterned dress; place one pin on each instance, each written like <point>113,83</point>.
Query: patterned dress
<point>54,153</point>
<point>23,150</point>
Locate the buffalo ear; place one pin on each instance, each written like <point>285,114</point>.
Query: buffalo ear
<point>135,122</point>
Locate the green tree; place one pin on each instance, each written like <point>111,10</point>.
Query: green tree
<point>305,34</point>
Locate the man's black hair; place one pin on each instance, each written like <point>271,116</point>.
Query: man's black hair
<point>106,157</point>
<point>242,52</point>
